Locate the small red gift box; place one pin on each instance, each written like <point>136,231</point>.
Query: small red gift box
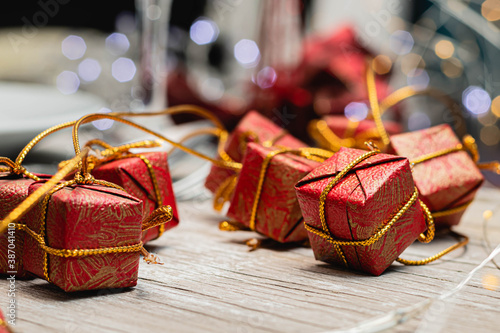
<point>264,199</point>
<point>447,182</point>
<point>4,326</point>
<point>88,237</point>
<point>142,176</point>
<point>347,133</point>
<point>252,128</point>
<point>369,205</point>
<point>13,190</point>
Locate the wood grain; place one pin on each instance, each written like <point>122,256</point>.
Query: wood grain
<point>211,283</point>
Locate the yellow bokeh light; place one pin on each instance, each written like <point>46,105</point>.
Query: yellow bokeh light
<point>495,106</point>
<point>487,119</point>
<point>490,9</point>
<point>490,282</point>
<point>444,49</point>
<point>381,64</point>
<point>452,67</point>
<point>410,62</point>
<point>490,135</point>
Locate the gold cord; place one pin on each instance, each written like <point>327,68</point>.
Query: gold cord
<point>435,257</point>
<point>32,199</point>
<point>314,154</point>
<point>325,232</point>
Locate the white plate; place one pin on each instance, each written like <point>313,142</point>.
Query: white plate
<point>27,109</point>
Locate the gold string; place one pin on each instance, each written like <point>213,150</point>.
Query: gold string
<point>463,242</point>
<point>309,153</point>
<point>33,198</point>
<point>374,105</point>
<point>97,116</point>
<point>325,233</point>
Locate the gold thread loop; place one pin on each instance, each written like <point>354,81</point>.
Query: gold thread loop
<point>462,243</point>
<point>158,217</point>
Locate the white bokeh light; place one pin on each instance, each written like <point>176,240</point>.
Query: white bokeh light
<point>418,79</point>
<point>418,121</point>
<point>356,111</point>
<point>68,82</point>
<point>117,43</point>
<point>204,31</point>
<point>123,69</point>
<point>73,47</point>
<point>89,70</point>
<point>476,100</point>
<point>103,124</point>
<point>266,77</point>
<point>212,89</point>
<point>401,42</point>
<point>247,53</point>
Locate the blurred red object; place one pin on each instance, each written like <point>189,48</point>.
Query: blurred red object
<point>330,75</point>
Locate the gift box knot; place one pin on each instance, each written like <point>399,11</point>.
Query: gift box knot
<point>325,233</point>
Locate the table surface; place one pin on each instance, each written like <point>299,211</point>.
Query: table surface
<point>210,282</point>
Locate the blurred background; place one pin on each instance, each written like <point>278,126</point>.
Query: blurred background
<point>293,60</point>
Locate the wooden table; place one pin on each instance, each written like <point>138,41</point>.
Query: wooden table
<point>211,282</point>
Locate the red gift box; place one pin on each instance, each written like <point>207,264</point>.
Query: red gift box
<point>92,238</point>
<point>13,190</point>
<point>252,128</point>
<point>277,212</point>
<point>447,183</point>
<point>360,203</point>
<point>347,133</point>
<point>138,175</point>
<point>4,328</point>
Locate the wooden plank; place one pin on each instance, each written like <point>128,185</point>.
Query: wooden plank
<point>211,282</point>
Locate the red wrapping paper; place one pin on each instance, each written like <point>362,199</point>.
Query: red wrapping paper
<point>87,217</point>
<point>340,126</point>
<point>278,214</point>
<point>444,182</point>
<point>361,202</point>
<point>13,191</point>
<point>3,324</point>
<point>252,128</point>
<point>133,175</point>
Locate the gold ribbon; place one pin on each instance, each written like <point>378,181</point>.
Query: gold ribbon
<point>314,154</point>
<point>325,233</point>
<point>122,152</point>
<point>226,188</point>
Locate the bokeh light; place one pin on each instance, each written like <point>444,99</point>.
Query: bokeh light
<point>452,68</point>
<point>356,111</point>
<point>68,82</point>
<point>411,62</point>
<point>204,31</point>
<point>247,53</point>
<point>495,106</point>
<point>103,124</point>
<point>444,49</point>
<point>89,69</point>
<point>418,121</point>
<point>381,64</point>
<point>123,69</point>
<point>490,9</point>
<point>117,43</point>
<point>153,12</point>
<point>266,77</point>
<point>418,79</point>
<point>212,89</point>
<point>490,135</point>
<point>73,47</point>
<point>401,42</point>
<point>476,100</point>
